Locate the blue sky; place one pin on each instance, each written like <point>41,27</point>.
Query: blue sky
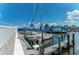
<point>17,13</point>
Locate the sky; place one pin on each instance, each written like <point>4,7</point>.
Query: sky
<point>21,13</point>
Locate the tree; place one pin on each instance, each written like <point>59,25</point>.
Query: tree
<point>46,26</point>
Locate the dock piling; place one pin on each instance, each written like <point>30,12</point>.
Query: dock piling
<point>41,49</point>
<point>68,44</point>
<point>73,42</point>
<point>59,44</point>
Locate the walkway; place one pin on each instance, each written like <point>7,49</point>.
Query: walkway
<point>18,50</point>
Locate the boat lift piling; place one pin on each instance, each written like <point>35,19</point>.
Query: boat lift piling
<point>59,42</point>
<point>62,37</point>
<point>42,52</point>
<point>73,42</point>
<point>68,37</point>
<point>41,49</point>
<point>52,39</point>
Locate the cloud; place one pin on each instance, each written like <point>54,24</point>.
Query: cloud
<point>70,21</point>
<point>71,15</point>
<point>55,24</point>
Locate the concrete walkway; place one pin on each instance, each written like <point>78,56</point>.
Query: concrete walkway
<point>18,50</point>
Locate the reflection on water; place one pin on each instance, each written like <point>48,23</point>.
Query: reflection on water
<point>77,43</point>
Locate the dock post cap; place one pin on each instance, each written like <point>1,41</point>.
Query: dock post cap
<point>40,39</point>
<point>36,46</point>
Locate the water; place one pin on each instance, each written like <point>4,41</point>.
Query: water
<point>55,41</point>
<point>77,43</point>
